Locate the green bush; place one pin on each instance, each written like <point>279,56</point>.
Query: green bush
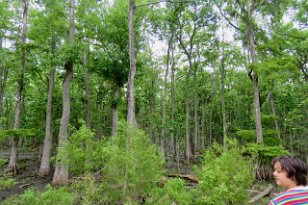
<point>174,191</point>
<point>6,183</point>
<point>225,177</point>
<point>271,137</point>
<point>89,189</point>
<point>132,166</point>
<point>265,153</point>
<point>3,163</point>
<point>51,196</point>
<point>248,135</point>
<point>81,149</point>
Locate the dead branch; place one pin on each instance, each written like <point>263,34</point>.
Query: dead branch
<point>262,194</point>
<point>188,177</point>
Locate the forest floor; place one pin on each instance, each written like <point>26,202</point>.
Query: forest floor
<point>28,178</point>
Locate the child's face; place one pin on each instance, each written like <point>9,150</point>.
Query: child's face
<point>281,177</point>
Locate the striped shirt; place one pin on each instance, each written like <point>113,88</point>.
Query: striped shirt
<point>296,196</point>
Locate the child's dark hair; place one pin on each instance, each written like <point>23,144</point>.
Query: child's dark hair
<point>296,168</point>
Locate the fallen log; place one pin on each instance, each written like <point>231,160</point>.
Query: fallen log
<point>262,194</point>
<point>188,177</point>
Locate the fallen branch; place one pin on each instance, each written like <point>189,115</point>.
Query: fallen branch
<point>262,194</point>
<point>25,185</point>
<point>188,177</point>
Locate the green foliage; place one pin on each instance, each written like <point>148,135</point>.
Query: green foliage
<point>3,163</point>
<point>80,151</point>
<point>6,183</point>
<point>90,190</point>
<point>175,190</point>
<point>263,152</point>
<point>249,135</point>
<point>133,165</point>
<point>271,137</point>
<point>51,196</point>
<point>32,132</point>
<point>225,177</point>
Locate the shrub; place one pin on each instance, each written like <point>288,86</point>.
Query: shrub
<point>81,149</point>
<point>225,177</point>
<point>132,167</point>
<point>265,153</point>
<point>174,191</point>
<point>89,189</point>
<point>6,183</point>
<point>51,196</point>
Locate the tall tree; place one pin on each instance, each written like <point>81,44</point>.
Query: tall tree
<point>48,21</point>
<point>18,105</point>
<point>131,116</point>
<point>61,172</point>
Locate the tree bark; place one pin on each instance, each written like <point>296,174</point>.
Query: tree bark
<point>196,117</point>
<point>61,173</point>
<point>13,157</point>
<point>45,167</point>
<point>88,90</point>
<point>253,74</point>
<point>164,106</point>
<point>223,104</point>
<point>173,105</point>
<point>131,117</point>
<point>115,110</point>
<point>3,80</point>
<point>273,107</point>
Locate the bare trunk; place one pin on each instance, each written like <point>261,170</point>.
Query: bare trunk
<point>3,80</point>
<point>88,90</point>
<point>203,126</point>
<point>253,74</point>
<point>164,107</point>
<point>257,110</point>
<point>203,116</point>
<point>61,173</point>
<point>115,111</point>
<point>45,167</point>
<point>187,114</point>
<point>273,107</point>
<point>172,140</point>
<point>211,113</point>
<point>196,117</point>
<point>131,117</point>
<point>223,105</point>
<point>13,157</point>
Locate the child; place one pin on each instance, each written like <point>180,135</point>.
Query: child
<point>290,173</point>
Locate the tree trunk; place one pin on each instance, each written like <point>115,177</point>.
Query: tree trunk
<point>61,173</point>
<point>173,105</point>
<point>115,110</point>
<point>163,130</point>
<point>187,115</point>
<point>3,80</point>
<point>13,157</point>
<point>273,107</point>
<point>211,111</point>
<point>253,74</point>
<point>196,117</point>
<point>203,127</point>
<point>223,104</point>
<point>131,117</point>
<point>88,90</point>
<point>45,167</point>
